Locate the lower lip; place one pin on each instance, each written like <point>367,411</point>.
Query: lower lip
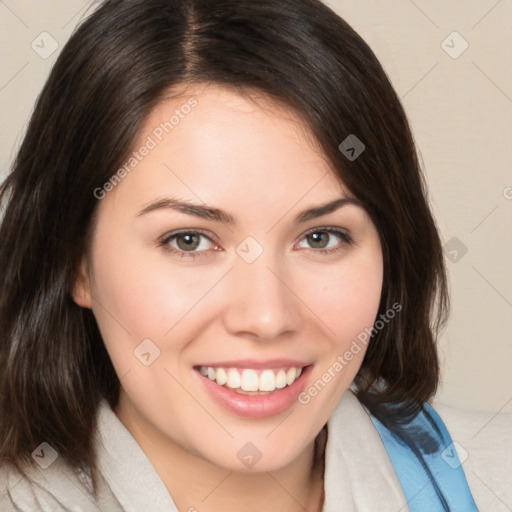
<point>256,406</point>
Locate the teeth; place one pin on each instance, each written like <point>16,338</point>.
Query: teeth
<point>267,381</point>
<point>234,379</point>
<point>221,376</point>
<point>290,376</point>
<point>281,379</point>
<point>247,380</point>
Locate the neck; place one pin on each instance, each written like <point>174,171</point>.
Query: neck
<point>293,488</point>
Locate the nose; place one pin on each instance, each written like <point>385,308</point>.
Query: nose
<point>260,301</point>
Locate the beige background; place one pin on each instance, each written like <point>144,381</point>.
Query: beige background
<point>460,110</point>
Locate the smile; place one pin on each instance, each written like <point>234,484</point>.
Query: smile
<point>254,390</point>
<point>249,380</point>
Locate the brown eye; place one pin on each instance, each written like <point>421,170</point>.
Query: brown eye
<point>319,240</point>
<point>187,243</point>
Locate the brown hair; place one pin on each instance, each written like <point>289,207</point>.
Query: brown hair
<point>54,368</point>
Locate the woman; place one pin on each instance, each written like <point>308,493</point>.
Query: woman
<point>221,280</point>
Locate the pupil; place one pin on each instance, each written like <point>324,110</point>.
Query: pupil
<point>317,237</point>
<point>189,241</point>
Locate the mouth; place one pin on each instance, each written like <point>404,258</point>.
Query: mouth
<point>254,390</point>
<point>252,381</point>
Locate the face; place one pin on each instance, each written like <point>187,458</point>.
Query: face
<point>262,298</point>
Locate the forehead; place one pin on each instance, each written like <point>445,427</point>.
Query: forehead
<point>213,102</point>
<point>215,145</point>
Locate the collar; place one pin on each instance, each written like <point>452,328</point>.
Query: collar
<point>358,474</point>
<point>126,468</point>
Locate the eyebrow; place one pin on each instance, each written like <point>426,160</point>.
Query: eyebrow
<point>218,215</point>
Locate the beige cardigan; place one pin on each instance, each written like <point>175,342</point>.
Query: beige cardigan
<point>358,473</point>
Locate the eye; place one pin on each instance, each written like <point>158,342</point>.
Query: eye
<point>187,244</point>
<point>194,244</point>
<point>319,239</point>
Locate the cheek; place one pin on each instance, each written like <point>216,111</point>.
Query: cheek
<point>348,300</point>
<point>139,291</point>
<point>347,296</point>
<point>139,296</point>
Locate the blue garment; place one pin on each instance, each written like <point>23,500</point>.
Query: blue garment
<point>426,463</point>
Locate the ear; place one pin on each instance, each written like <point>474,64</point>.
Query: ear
<point>81,287</point>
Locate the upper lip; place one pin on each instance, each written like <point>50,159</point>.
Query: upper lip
<point>258,365</point>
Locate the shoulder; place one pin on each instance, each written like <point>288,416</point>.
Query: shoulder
<point>21,491</point>
<point>8,480</point>
<point>483,442</point>
<point>35,489</point>
<point>55,488</point>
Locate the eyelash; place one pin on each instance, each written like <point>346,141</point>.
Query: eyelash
<point>346,240</point>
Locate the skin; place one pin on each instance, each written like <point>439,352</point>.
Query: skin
<point>257,161</point>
